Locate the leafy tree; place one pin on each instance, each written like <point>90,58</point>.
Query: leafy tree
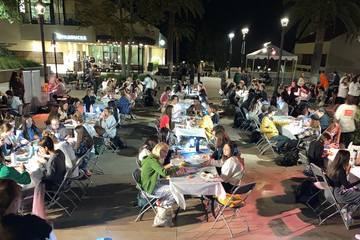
<point>321,14</point>
<point>183,30</point>
<point>9,9</point>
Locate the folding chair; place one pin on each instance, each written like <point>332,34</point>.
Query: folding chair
<point>108,142</point>
<point>150,201</point>
<point>267,144</point>
<point>99,146</point>
<point>245,189</point>
<point>77,180</point>
<point>63,188</point>
<point>138,162</point>
<point>329,195</point>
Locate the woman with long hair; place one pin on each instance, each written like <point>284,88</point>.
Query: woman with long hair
<point>151,167</point>
<point>163,135</point>
<point>139,87</point>
<point>313,130</point>
<point>149,144</point>
<point>83,144</point>
<point>231,164</point>
<point>29,130</point>
<point>221,137</point>
<point>63,112</point>
<point>255,107</point>
<point>354,91</point>
<point>14,226</point>
<point>132,93</point>
<point>108,123</point>
<point>166,120</point>
<point>112,105</point>
<point>17,86</point>
<point>54,113</point>
<point>344,192</point>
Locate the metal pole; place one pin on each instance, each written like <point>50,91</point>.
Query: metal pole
<point>243,52</point>
<point>294,71</point>
<point>230,52</point>
<point>142,59</point>
<point>43,45</point>
<point>279,61</point>
<point>53,38</point>
<point>138,59</point>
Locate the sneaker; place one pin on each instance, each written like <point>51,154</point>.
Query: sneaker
<point>88,173</point>
<point>357,236</point>
<point>349,219</point>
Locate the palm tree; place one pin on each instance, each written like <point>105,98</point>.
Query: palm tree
<point>321,14</point>
<point>195,7</point>
<point>183,30</point>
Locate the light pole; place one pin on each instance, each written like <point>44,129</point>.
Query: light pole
<point>53,41</point>
<point>244,32</point>
<point>231,36</point>
<point>284,23</point>
<point>40,8</point>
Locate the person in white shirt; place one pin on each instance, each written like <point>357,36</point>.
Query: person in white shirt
<point>78,119</point>
<point>343,91</point>
<point>254,108</point>
<point>108,122</point>
<point>148,82</point>
<point>129,81</point>
<point>146,148</point>
<point>14,102</point>
<point>345,114</point>
<point>232,166</point>
<point>354,89</point>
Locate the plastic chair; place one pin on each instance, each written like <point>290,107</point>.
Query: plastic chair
<point>150,201</point>
<point>245,189</point>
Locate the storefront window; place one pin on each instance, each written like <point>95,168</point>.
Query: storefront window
<point>96,52</point>
<point>48,11</point>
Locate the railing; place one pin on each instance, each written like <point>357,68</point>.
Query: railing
<point>56,19</point>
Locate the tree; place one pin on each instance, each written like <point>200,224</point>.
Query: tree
<point>321,14</point>
<point>183,30</point>
<point>173,7</point>
<point>9,9</point>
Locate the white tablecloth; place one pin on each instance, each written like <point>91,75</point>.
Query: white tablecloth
<point>290,131</point>
<point>193,132</point>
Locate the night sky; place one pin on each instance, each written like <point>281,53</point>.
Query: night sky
<point>262,17</point>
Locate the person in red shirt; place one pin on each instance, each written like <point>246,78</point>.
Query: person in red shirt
<point>166,119</point>
<point>165,96</point>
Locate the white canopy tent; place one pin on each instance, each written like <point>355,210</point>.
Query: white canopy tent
<point>263,54</point>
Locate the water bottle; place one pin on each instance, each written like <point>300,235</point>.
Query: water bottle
<point>95,100</point>
<point>187,89</point>
<point>91,109</point>
<point>197,144</point>
<point>32,150</point>
<point>13,158</point>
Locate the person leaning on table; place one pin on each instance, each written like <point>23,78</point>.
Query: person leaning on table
<point>151,167</point>
<point>268,126</point>
<point>22,177</point>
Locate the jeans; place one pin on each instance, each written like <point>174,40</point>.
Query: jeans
<point>281,140</point>
<point>163,191</point>
<point>95,85</point>
<point>347,138</point>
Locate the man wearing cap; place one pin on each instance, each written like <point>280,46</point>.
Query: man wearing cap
<point>323,119</point>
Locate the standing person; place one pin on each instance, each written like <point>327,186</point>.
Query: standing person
<point>324,82</point>
<point>344,192</point>
<point>244,77</point>
<point>237,76</point>
<point>345,114</point>
<point>17,86</point>
<point>92,59</point>
<point>301,81</point>
<point>223,77</point>
<point>183,73</point>
<point>354,89</point>
<point>199,71</point>
<point>343,91</point>
<point>94,78</point>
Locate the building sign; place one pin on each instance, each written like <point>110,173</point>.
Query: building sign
<point>61,37</point>
<point>22,6</point>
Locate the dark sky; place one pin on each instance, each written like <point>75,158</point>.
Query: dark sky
<point>262,17</point>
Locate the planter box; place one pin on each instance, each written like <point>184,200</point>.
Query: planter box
<point>6,74</point>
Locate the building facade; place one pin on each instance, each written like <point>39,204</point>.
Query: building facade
<point>72,43</point>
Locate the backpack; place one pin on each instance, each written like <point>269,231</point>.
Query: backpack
<point>291,157</point>
<point>141,202</point>
<point>255,137</point>
<point>118,142</point>
<point>305,191</point>
<point>149,101</point>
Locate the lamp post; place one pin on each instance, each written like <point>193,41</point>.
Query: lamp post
<point>244,32</point>
<point>53,42</point>
<point>284,23</point>
<point>40,8</point>
<point>231,36</point>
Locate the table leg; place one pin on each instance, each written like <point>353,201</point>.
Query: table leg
<point>177,211</point>
<point>206,213</point>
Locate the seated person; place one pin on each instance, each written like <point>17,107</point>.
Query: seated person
<point>151,168</point>
<point>282,106</point>
<point>232,166</point>
<point>108,123</point>
<point>88,99</point>
<point>165,96</point>
<point>206,123</point>
<point>321,96</point>
<point>14,103</point>
<point>146,148</point>
<point>268,126</point>
<point>10,141</point>
<point>29,130</point>
<point>166,120</point>
<point>124,103</point>
<point>215,116</point>
<point>251,96</point>
<point>254,108</point>
<point>194,108</point>
<point>264,110</point>
<point>54,170</point>
<point>323,118</point>
<point>78,119</point>
<point>65,148</point>
<point>73,107</point>
<point>54,113</point>
<point>228,88</point>
<point>58,129</point>
<point>83,144</point>
<point>316,152</point>
<point>242,86</point>
<point>312,130</point>
<point>344,192</point>
<point>310,110</point>
<point>177,91</point>
<point>335,131</point>
<point>63,111</point>
<point>263,91</point>
<point>232,95</point>
<point>21,177</point>
<point>59,90</point>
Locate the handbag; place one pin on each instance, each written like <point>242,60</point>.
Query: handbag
<point>99,130</point>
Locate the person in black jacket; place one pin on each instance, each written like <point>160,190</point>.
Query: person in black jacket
<point>88,100</point>
<point>323,118</point>
<point>344,191</point>
<point>316,153</point>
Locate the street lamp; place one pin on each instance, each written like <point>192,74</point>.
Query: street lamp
<point>284,23</point>
<point>40,8</point>
<point>244,32</point>
<point>231,36</point>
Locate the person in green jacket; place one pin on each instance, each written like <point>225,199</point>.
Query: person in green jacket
<point>152,165</point>
<point>237,77</point>
<point>10,172</point>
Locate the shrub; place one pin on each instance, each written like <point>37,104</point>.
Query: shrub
<point>155,64</point>
<point>4,52</point>
<point>13,63</point>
